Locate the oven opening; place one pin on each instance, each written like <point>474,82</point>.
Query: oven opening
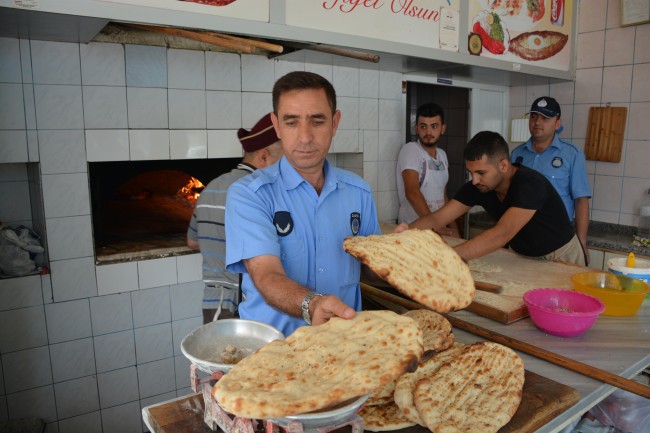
<point>141,209</point>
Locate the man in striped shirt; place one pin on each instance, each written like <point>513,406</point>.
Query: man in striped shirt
<point>207,233</point>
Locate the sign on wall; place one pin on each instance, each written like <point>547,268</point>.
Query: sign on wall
<point>413,22</point>
<point>255,10</point>
<point>535,32</point>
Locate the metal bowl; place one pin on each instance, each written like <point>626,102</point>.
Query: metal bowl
<point>205,345</point>
<point>326,417</point>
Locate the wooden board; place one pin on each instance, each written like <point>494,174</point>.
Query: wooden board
<point>605,132</point>
<point>543,399</point>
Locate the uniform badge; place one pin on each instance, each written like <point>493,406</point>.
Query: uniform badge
<point>283,223</point>
<point>355,222</point>
<point>557,162</point>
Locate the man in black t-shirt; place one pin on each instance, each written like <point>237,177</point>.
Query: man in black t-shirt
<point>532,219</point>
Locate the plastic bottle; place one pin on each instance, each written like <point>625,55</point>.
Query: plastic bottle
<point>644,217</point>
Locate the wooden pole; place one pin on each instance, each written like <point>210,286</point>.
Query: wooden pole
<point>367,57</point>
<point>259,44</point>
<point>562,361</point>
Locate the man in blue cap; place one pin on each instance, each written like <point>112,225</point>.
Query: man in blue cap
<point>561,162</point>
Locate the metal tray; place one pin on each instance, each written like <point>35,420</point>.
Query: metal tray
<point>205,344</point>
<point>330,416</point>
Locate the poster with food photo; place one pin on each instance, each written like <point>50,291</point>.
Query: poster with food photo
<point>535,32</point>
<point>255,10</point>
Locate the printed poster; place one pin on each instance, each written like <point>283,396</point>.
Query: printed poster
<point>413,22</point>
<point>255,10</point>
<point>535,32</point>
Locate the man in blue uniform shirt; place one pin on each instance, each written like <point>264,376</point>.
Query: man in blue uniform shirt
<point>560,161</point>
<point>285,224</point>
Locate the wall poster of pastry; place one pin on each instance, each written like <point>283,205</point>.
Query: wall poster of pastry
<point>535,32</point>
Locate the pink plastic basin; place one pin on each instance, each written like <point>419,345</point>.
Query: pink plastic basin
<point>563,313</point>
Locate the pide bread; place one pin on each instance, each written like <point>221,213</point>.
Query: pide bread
<point>478,391</point>
<point>436,330</point>
<point>384,417</point>
<point>419,264</point>
<point>319,366</point>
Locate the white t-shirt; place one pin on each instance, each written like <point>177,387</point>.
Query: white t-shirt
<point>433,174</point>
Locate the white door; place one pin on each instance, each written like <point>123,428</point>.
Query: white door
<point>488,112</point>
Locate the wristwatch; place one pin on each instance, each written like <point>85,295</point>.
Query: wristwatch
<point>305,306</point>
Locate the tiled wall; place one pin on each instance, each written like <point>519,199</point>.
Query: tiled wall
<point>613,67</point>
<point>87,346</point>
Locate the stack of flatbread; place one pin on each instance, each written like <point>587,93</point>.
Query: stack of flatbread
<point>317,367</point>
<point>419,264</point>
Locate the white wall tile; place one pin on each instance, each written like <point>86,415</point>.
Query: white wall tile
<point>223,71</point>
<point>370,174</point>
<point>390,115</point>
<point>385,182</point>
<point>151,306</point>
<point>188,143</point>
<point>185,69</point>
<point>118,387</point>
<point>224,110</point>
<point>13,146</point>
<point>87,423</point>
<point>580,119</point>
<point>31,320</point>
<point>617,82</point>
<point>115,350</point>
<point>613,14</point>
<point>186,300</point>
<point>390,85</point>
<point>368,113</point>
<point>370,145</point>
<point>619,46</point>
<point>224,144</point>
<point>73,279</point>
<point>156,377</point>
<point>76,397</point>
<point>62,151</point>
<point>32,146</point>
<point>55,62</point>
<point>148,144</point>
<point>102,64</point>
<point>69,237</point>
<point>182,366</point>
<point>157,272</point>
<point>607,193</point>
<point>187,109</point>
<point>592,15</point>
<point>634,190</point>
<point>640,85</point>
<point>104,107</point>
<point>147,107</point>
<point>121,277</point>
<point>387,205</point>
<point>68,321</point>
<point>638,126</point>
<point>146,66</point>
<point>36,402</point>
<point>389,145</point>
<point>257,73</point>
<point>22,292</point>
<point>590,50</point>
<point>368,83</point>
<point>12,111</point>
<point>72,359</point>
<point>26,61</point>
<point>589,83</point>
<point>349,108</point>
<point>325,71</point>
<point>188,268</point>
<point>10,66</point>
<point>563,93</point>
<point>283,67</point>
<point>181,328</point>
<point>26,369</point>
<point>346,80</point>
<point>604,216</point>
<point>66,195</point>
<point>345,141</point>
<point>107,145</point>
<point>111,313</point>
<point>122,418</point>
<point>58,107</point>
<point>641,48</point>
<point>153,343</point>
<point>637,158</point>
<point>254,106</point>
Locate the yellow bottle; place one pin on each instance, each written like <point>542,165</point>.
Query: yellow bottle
<point>630,260</point>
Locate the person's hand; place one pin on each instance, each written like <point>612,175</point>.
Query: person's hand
<point>449,231</point>
<point>323,308</point>
<point>401,228</point>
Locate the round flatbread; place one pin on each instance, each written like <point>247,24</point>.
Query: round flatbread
<point>319,366</point>
<point>419,264</point>
<point>384,418</point>
<point>479,390</point>
<point>436,330</point>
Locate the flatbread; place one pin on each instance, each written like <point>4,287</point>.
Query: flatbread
<point>436,330</point>
<point>319,366</point>
<point>419,264</point>
<point>479,391</point>
<point>384,418</point>
<point>403,394</point>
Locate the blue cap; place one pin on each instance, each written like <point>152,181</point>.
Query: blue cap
<point>546,106</point>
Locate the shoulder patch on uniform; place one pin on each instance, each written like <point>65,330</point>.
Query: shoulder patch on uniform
<point>283,223</point>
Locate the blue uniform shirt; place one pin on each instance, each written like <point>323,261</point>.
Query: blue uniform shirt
<point>563,164</point>
<point>275,211</point>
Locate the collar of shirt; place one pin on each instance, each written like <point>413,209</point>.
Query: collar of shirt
<point>246,166</point>
<point>557,143</point>
<point>292,179</point>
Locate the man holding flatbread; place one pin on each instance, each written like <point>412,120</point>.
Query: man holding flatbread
<point>532,219</point>
<point>286,223</point>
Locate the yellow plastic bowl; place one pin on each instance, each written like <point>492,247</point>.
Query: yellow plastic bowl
<point>603,285</point>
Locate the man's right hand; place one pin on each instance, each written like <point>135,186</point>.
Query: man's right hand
<point>402,227</point>
<point>323,308</point>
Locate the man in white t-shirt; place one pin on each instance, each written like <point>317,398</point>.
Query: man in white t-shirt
<point>423,169</point>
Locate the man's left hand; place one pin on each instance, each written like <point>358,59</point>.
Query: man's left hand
<point>328,306</point>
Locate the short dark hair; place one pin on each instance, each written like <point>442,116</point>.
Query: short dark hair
<point>430,110</point>
<point>487,143</point>
<point>301,80</point>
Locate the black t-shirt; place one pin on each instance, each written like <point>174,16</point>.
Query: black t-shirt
<point>548,229</point>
